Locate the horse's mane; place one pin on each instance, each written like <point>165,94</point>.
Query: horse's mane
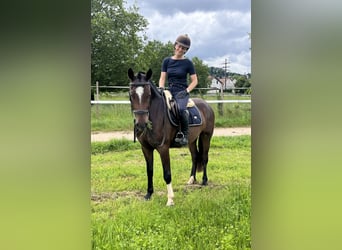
<point>155,89</point>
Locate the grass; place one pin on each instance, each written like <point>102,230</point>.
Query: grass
<point>216,216</point>
<point>118,117</point>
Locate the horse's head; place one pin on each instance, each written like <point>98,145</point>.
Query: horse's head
<point>140,97</point>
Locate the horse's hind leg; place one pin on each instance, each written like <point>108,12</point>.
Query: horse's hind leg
<point>204,144</point>
<point>194,158</point>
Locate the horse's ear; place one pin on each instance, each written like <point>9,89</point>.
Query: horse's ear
<point>148,74</point>
<point>131,74</point>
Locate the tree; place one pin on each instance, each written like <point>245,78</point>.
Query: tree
<point>242,82</point>
<point>152,57</point>
<point>115,41</point>
<point>217,72</point>
<point>202,72</point>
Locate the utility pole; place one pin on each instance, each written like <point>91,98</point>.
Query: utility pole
<point>226,70</point>
<point>223,86</point>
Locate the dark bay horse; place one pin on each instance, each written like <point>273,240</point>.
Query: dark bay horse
<point>155,131</point>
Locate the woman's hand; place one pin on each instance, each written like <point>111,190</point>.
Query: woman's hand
<point>182,94</point>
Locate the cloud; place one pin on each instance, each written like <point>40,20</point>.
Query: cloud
<point>218,29</point>
<point>172,7</point>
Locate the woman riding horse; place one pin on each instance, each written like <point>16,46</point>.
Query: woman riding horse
<point>176,69</point>
<point>155,131</point>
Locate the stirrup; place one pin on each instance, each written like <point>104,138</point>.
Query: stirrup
<point>179,137</point>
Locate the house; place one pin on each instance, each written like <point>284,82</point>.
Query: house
<point>218,83</point>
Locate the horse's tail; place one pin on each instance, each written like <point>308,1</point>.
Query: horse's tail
<point>199,160</point>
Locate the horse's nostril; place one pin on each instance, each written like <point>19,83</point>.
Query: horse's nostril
<point>140,126</point>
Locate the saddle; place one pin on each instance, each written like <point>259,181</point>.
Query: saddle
<point>195,118</point>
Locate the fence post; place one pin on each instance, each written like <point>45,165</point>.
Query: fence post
<point>97,98</point>
<point>220,105</point>
<point>97,90</point>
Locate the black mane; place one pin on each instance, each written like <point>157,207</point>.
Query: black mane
<point>154,89</point>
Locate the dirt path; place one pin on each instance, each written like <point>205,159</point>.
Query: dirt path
<point>106,136</point>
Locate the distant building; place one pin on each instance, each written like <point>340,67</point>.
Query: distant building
<point>218,83</point>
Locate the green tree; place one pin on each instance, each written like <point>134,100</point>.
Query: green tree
<point>152,57</point>
<point>115,40</point>
<point>217,72</point>
<point>202,71</point>
<point>242,82</point>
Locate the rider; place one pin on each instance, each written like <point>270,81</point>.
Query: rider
<point>176,70</point>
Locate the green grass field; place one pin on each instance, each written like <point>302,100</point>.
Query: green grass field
<point>119,117</point>
<point>216,216</point>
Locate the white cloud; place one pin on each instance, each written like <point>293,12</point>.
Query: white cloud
<point>218,29</point>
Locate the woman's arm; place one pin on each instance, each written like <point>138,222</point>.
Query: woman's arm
<point>193,83</point>
<point>162,80</point>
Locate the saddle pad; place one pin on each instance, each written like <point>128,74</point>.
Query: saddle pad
<point>195,118</point>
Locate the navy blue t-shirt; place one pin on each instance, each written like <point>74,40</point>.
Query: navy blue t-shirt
<point>177,71</point>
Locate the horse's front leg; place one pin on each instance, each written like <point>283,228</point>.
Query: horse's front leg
<point>148,154</point>
<point>165,159</point>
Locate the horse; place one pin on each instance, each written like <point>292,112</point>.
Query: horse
<point>155,131</point>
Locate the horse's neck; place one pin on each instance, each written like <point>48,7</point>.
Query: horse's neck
<point>157,111</point>
<point>156,103</point>
<point>156,97</point>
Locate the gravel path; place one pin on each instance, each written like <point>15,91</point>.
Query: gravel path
<point>106,136</point>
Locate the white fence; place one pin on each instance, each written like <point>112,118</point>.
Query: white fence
<point>208,101</point>
<point>97,101</point>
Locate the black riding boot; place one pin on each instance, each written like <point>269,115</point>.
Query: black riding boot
<point>184,122</point>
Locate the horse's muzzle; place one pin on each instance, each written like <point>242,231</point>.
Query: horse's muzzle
<point>141,119</point>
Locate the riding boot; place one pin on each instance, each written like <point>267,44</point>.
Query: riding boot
<point>184,121</point>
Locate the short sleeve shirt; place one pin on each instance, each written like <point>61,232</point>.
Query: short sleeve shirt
<point>177,71</point>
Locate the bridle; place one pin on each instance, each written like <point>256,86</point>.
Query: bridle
<point>138,111</point>
<point>146,111</point>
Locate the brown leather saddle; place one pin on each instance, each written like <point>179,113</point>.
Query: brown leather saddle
<point>195,118</point>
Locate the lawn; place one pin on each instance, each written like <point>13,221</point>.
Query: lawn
<point>216,216</point>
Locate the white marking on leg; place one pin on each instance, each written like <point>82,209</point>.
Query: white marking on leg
<point>191,180</point>
<point>170,195</point>
<point>140,92</point>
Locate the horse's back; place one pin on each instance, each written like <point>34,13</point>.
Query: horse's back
<point>207,112</point>
<point>204,107</point>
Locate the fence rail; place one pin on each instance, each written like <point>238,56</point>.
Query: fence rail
<point>208,101</point>
<point>127,87</point>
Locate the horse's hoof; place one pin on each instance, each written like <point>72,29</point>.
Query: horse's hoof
<point>191,180</point>
<point>204,183</point>
<point>170,203</point>
<point>147,197</point>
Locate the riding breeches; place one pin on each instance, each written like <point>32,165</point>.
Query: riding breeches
<point>182,101</point>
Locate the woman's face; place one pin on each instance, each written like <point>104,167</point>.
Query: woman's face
<point>180,50</point>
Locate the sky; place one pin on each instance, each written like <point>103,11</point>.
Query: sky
<point>218,29</point>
